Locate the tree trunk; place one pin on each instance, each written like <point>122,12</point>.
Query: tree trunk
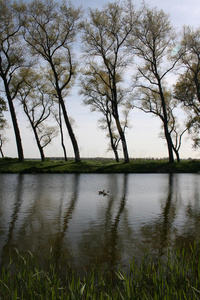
<point>114,148</point>
<point>70,130</point>
<point>2,155</point>
<point>63,146</point>
<point>116,155</point>
<point>165,121</point>
<point>119,128</point>
<point>67,122</point>
<point>1,151</point>
<point>169,144</point>
<point>14,121</point>
<point>61,134</point>
<point>38,142</point>
<point>123,140</point>
<point>177,155</point>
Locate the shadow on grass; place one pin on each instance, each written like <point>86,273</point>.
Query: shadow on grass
<point>41,169</point>
<point>96,166</point>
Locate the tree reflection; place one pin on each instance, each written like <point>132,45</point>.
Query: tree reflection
<point>60,235</point>
<point>190,229</point>
<point>46,209</point>
<point>114,253</point>
<point>158,232</point>
<point>14,217</point>
<point>46,220</point>
<point>103,243</point>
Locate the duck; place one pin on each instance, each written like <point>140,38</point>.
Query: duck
<point>101,192</point>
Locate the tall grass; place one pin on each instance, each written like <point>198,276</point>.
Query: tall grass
<point>177,276</point>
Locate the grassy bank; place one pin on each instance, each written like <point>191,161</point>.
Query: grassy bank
<point>98,166</point>
<point>176,277</point>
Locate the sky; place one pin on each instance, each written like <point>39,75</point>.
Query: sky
<point>143,137</point>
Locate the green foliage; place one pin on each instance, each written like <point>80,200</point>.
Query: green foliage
<point>176,276</point>
<point>186,89</point>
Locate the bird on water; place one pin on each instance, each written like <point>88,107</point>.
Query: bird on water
<point>104,193</point>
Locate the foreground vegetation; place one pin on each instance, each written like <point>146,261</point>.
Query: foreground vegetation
<point>8,165</point>
<point>175,277</point>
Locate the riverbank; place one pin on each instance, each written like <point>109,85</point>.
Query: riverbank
<point>175,277</point>
<point>8,165</point>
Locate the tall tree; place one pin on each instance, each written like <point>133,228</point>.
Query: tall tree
<point>152,41</point>
<point>94,88</point>
<point>36,99</point>
<point>104,37</point>
<point>50,30</point>
<point>187,88</point>
<point>11,58</point>
<point>149,102</point>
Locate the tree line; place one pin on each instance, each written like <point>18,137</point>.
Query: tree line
<point>38,67</point>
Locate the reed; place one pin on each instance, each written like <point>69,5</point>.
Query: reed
<point>176,276</point>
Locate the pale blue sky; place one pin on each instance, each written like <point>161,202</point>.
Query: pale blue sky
<point>143,137</point>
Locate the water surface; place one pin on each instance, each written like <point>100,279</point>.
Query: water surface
<point>66,212</point>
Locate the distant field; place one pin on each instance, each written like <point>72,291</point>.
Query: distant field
<point>8,165</point>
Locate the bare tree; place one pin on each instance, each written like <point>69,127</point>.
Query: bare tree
<point>104,37</point>
<point>153,41</point>
<point>187,88</point>
<point>97,94</point>
<point>11,59</point>
<point>149,102</point>
<point>37,102</point>
<point>50,30</point>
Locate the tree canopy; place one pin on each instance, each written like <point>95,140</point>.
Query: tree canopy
<point>152,41</point>
<point>124,59</point>
<point>104,37</point>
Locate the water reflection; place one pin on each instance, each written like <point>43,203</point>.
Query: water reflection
<point>191,224</point>
<point>57,244</point>
<point>103,239</point>
<point>159,232</point>
<point>15,213</point>
<point>65,212</point>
